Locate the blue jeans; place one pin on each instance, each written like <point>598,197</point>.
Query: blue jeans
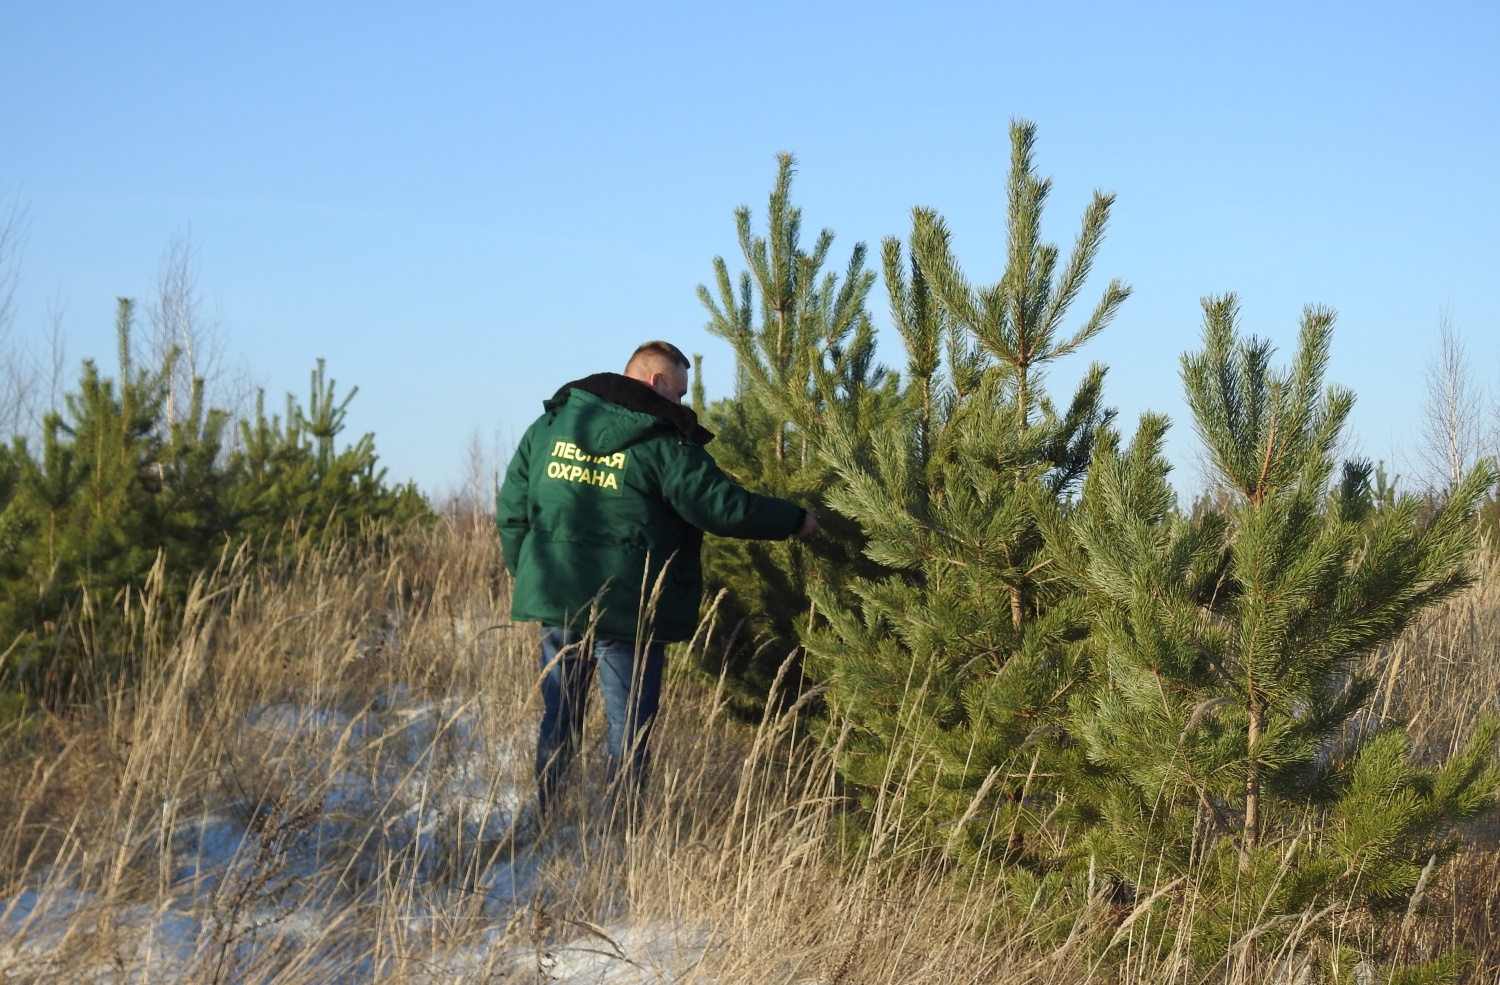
<point>632,693</point>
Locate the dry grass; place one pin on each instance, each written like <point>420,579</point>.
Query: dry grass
<point>314,781</point>
<point>1439,678</point>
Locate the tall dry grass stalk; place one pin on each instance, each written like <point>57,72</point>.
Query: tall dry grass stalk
<point>316,778</point>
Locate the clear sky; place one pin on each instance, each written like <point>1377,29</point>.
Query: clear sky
<point>463,206</point>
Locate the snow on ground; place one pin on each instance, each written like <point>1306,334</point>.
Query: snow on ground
<point>626,956</point>
<point>38,927</point>
<point>391,811</point>
<point>147,944</point>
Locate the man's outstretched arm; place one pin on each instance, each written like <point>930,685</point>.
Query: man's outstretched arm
<point>703,495</point>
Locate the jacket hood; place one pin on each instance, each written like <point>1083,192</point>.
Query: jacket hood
<point>615,410</point>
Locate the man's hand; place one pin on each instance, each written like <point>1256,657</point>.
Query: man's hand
<point>810,525</point>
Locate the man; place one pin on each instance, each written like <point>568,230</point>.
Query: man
<point>602,516</point>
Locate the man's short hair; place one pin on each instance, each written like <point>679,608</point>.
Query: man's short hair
<point>655,352</point>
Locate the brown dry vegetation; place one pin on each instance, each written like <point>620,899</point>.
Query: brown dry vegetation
<point>359,727</point>
<point>1438,678</point>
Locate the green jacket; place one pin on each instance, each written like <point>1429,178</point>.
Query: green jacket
<point>609,486</point>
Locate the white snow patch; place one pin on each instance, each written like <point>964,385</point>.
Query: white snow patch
<point>401,793</point>
<point>627,955</point>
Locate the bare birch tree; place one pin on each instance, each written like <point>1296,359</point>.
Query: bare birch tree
<point>175,323</point>
<point>1492,434</point>
<point>472,504</point>
<point>178,324</point>
<point>17,382</point>
<point>1452,409</point>
<point>56,356</point>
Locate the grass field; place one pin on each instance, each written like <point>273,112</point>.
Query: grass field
<point>316,779</point>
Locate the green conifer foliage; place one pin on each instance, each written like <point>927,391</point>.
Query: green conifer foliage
<point>1243,769</point>
<point>114,493</point>
<point>804,356</point>
<point>123,504</point>
<point>291,487</point>
<point>952,671</point>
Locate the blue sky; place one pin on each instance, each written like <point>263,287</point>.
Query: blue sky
<point>464,206</point>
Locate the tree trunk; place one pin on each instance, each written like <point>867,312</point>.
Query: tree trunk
<point>1252,785</point>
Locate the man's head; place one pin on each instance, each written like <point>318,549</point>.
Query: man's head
<point>662,367</point>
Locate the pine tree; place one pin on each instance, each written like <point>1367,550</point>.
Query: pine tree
<point>804,356</point>
<point>1242,769</point>
<point>952,672</point>
<point>291,487</point>
<point>120,495</point>
<point>112,495</point>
